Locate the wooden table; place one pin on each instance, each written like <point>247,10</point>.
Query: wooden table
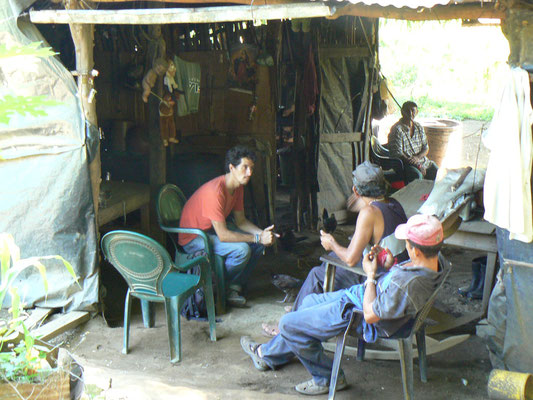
<point>121,198</point>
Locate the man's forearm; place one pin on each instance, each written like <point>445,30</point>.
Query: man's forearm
<point>249,227</point>
<point>230,236</point>
<point>344,254</point>
<point>368,300</point>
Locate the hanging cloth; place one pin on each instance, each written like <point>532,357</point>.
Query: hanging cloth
<point>188,79</point>
<point>310,84</point>
<point>507,190</point>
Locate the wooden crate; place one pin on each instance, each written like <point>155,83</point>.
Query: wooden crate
<point>56,387</point>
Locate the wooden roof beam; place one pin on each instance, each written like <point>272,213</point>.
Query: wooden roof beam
<point>438,12</point>
<point>182,15</point>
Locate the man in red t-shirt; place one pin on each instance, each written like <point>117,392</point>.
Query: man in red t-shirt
<point>208,208</point>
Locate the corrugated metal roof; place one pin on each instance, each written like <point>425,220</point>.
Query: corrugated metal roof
<point>404,3</point>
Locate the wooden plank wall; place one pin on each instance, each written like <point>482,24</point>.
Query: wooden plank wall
<point>222,120</point>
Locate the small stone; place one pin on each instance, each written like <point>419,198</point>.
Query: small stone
<point>464,381</point>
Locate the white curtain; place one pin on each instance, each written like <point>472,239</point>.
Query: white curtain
<point>507,190</point>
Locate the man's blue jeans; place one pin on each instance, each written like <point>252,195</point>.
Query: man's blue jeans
<point>240,258</point>
<point>320,317</point>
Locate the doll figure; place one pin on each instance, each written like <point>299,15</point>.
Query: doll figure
<point>169,80</point>
<point>159,69</point>
<point>166,120</point>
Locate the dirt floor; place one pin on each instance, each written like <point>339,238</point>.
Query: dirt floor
<point>221,370</point>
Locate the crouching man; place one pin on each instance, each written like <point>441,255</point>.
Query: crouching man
<point>388,302</point>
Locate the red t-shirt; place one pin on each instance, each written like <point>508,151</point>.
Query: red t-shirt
<point>211,202</point>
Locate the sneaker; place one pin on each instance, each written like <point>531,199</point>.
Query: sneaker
<point>234,299</point>
<point>250,347</point>
<point>310,388</point>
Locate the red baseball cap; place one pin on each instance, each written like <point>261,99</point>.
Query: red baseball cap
<point>425,230</point>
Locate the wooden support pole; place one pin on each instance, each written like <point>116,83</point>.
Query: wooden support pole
<point>83,38</point>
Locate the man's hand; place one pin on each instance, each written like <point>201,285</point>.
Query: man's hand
<point>384,256</point>
<point>370,265</point>
<point>267,236</point>
<point>327,240</point>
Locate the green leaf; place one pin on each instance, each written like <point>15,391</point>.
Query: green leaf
<point>15,302</point>
<point>31,49</point>
<point>68,266</point>
<point>24,105</point>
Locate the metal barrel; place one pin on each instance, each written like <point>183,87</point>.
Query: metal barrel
<point>509,385</point>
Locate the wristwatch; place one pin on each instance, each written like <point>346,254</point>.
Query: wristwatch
<point>371,281</point>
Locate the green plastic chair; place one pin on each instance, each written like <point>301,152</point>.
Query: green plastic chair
<point>153,277</point>
<point>169,205</point>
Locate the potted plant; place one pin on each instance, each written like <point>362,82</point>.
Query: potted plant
<point>28,368</point>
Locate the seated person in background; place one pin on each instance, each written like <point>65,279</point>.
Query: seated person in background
<point>378,218</point>
<point>388,302</point>
<point>408,141</point>
<point>208,208</point>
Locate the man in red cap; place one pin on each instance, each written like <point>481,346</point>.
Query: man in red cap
<point>388,302</point>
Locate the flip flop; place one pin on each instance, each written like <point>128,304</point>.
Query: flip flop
<point>270,330</point>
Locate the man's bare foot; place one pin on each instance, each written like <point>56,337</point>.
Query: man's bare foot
<point>270,330</point>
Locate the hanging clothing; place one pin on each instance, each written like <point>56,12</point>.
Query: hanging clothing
<point>507,190</point>
<point>188,79</point>
<point>310,84</point>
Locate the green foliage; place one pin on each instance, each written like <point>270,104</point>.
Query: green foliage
<point>448,69</point>
<point>31,49</point>
<point>430,107</point>
<point>23,105</point>
<point>21,362</point>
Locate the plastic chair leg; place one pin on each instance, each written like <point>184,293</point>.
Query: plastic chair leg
<point>127,307</point>
<point>174,329</point>
<point>210,304</point>
<point>339,352</point>
<point>422,360</point>
<point>360,349</point>
<point>405,348</point>
<point>148,313</point>
<point>220,271</point>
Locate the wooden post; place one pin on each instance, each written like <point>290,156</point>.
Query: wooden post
<point>158,152</point>
<point>83,38</point>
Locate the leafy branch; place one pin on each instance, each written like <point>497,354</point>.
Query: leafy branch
<point>31,49</point>
<point>22,361</point>
<point>24,105</point>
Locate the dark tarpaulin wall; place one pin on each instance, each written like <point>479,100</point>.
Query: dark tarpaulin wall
<point>510,316</point>
<point>46,201</point>
<point>341,90</point>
